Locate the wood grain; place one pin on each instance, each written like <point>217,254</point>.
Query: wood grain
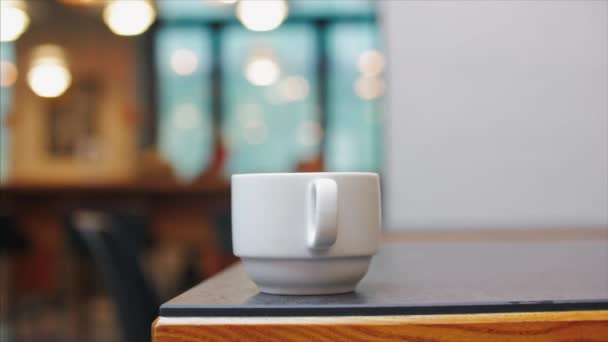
<point>543,326</point>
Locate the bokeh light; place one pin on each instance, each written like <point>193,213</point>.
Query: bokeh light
<point>371,63</point>
<point>262,70</point>
<point>8,74</point>
<point>184,62</point>
<point>369,88</point>
<point>186,116</point>
<point>255,131</point>
<point>261,15</point>
<point>83,3</point>
<point>129,17</point>
<point>13,20</point>
<point>293,88</point>
<point>309,133</point>
<point>224,2</point>
<point>49,79</point>
<point>249,111</point>
<point>49,75</point>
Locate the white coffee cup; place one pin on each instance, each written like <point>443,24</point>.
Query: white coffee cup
<point>306,233</point>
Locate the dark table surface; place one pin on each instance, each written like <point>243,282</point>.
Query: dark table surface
<point>430,278</point>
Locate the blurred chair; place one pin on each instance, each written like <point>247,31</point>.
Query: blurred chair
<point>223,229</point>
<point>11,243</point>
<point>115,242</point>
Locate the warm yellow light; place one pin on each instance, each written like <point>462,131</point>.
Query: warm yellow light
<point>8,74</point>
<point>83,2</point>
<point>369,88</point>
<point>262,71</point>
<point>293,88</point>
<point>261,15</point>
<point>49,79</point>
<point>184,62</point>
<point>371,63</point>
<point>49,75</point>
<point>13,20</point>
<point>129,17</point>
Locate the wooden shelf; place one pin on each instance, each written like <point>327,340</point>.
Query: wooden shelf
<point>32,189</point>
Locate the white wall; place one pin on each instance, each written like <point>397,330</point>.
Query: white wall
<point>497,114</point>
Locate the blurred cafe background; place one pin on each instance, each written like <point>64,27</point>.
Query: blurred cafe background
<point>121,123</point>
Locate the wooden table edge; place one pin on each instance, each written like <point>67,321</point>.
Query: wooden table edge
<point>523,317</point>
<point>526,326</point>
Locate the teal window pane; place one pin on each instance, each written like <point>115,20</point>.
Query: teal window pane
<point>194,10</point>
<point>329,8</point>
<point>271,115</point>
<point>7,58</point>
<point>183,68</point>
<point>205,10</point>
<point>355,89</point>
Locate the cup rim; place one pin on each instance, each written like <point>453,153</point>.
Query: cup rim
<point>300,174</point>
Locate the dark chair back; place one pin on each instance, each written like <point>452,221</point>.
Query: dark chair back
<point>115,242</point>
<point>11,240</point>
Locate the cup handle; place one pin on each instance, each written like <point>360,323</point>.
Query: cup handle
<point>323,217</point>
